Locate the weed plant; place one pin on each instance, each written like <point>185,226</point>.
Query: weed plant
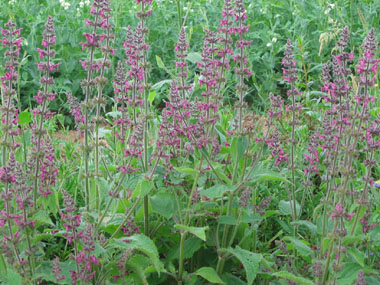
<point>175,177</point>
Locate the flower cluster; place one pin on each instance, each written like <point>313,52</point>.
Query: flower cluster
<point>43,153</point>
<point>65,5</point>
<point>275,144</point>
<point>9,113</point>
<point>340,212</point>
<point>86,260</point>
<point>56,270</point>
<point>242,69</point>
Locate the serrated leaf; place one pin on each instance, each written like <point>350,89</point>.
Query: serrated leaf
<point>215,191</point>
<point>199,232</point>
<point>209,274</point>
<point>349,273</point>
<point>286,209</point>
<point>160,63</point>
<point>238,147</point>
<point>287,275</point>
<point>139,263</point>
<point>14,277</point>
<point>114,115</point>
<point>192,245</point>
<point>25,118</point>
<point>249,260</point>
<point>301,247</point>
<point>186,170</point>
<point>266,175</point>
<point>357,255</point>
<point>158,85</point>
<point>164,204</point>
<point>42,217</point>
<point>194,57</point>
<point>309,225</point>
<point>145,245</point>
<point>143,188</point>
<point>227,220</point>
<point>152,95</point>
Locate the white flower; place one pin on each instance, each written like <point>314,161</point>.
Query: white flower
<point>274,40</point>
<point>87,2</point>
<point>81,4</point>
<point>269,44</point>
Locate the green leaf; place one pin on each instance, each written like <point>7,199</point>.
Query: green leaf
<point>290,276</point>
<point>301,247</point>
<point>14,277</point>
<point>103,132</point>
<point>186,170</point>
<point>139,263</point>
<point>215,191</point>
<point>114,115</point>
<point>164,204</point>
<point>349,273</point>
<point>152,95</point>
<point>158,85</point>
<point>160,63</point>
<point>43,271</point>
<point>145,245</point>
<point>199,232</point>
<point>266,175</point>
<point>143,188</point>
<point>238,147</point>
<point>357,255</point>
<point>192,245</point>
<point>249,260</point>
<point>227,220</point>
<point>42,217</point>
<point>25,118</point>
<point>209,274</point>
<point>286,209</point>
<point>309,225</point>
<point>232,279</point>
<point>194,57</point>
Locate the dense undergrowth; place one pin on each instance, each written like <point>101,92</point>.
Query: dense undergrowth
<point>222,142</point>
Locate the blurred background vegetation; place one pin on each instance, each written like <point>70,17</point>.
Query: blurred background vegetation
<point>313,25</point>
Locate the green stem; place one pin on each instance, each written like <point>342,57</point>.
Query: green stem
<point>186,221</point>
<point>109,204</point>
<point>179,13</point>
<point>123,222</point>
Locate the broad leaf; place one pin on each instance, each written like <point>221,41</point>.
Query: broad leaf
<point>286,209</point>
<point>301,247</point>
<point>357,255</point>
<point>309,225</point>
<point>227,220</point>
<point>152,95</point>
<point>164,204</point>
<point>186,170</point>
<point>209,274</point>
<point>199,232</point>
<point>14,277</point>
<point>194,57</point>
<point>291,276</point>
<point>215,191</point>
<point>249,260</point>
<point>144,244</point>
<point>143,188</point>
<point>25,118</point>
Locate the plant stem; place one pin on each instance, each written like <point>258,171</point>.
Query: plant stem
<point>86,115</point>
<point>186,221</point>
